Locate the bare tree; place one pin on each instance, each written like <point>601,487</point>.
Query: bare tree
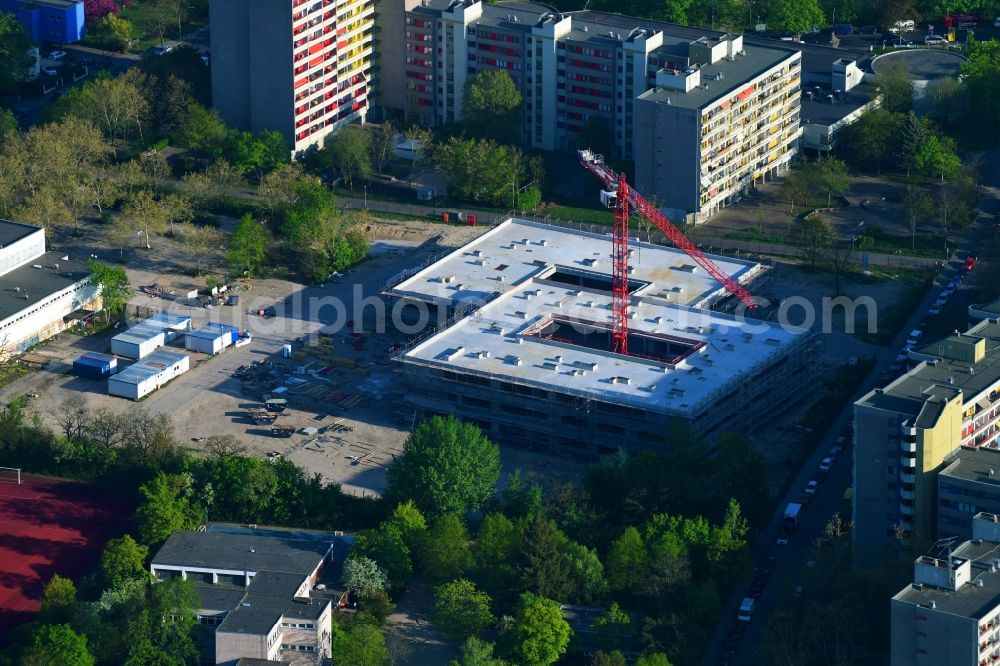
<point>221,446</point>
<point>839,254</point>
<point>73,416</point>
<point>105,427</point>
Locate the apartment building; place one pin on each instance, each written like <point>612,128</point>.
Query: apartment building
<point>265,594</point>
<point>723,119</point>
<point>58,21</point>
<point>950,615</point>
<point>970,484</point>
<point>906,432</point>
<point>299,67</point>
<point>602,74</point>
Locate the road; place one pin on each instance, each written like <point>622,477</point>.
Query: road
<point>829,496</point>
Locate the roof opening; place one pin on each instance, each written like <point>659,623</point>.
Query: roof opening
<point>597,335</point>
<point>590,280</point>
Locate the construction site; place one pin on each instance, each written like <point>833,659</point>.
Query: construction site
<point>530,352</point>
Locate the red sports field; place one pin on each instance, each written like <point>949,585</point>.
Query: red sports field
<point>49,526</point>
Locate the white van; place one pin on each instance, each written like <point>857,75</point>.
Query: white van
<point>906,25</point>
<point>746,609</point>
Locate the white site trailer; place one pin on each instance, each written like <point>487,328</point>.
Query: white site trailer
<point>211,338</point>
<point>142,339</point>
<point>145,376</point>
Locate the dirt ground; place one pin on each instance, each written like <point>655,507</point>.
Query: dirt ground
<point>347,390</point>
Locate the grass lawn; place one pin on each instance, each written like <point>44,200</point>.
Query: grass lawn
<point>926,245</point>
<point>12,371</point>
<point>572,214</point>
<point>144,16</point>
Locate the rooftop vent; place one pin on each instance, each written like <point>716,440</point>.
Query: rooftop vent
<point>620,380</point>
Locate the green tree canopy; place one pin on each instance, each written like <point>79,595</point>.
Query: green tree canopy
<point>361,644</point>
<point>795,16</point>
<point>166,508</point>
<point>897,89</point>
<point>115,288</point>
<point>58,601</point>
<point>349,152</point>
<point>491,106</point>
<point>203,130</point>
<point>58,645</point>
<point>811,234</point>
<point>446,552</point>
<point>123,559</point>
<point>461,610</point>
<point>626,561</point>
<point>936,158</point>
<point>447,466</point>
<point>545,569</point>
<point>982,76</point>
<point>477,652</point>
<point>14,45</point>
<point>247,246</point>
<point>540,634</point>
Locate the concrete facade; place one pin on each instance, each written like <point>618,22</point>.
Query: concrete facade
<point>58,21</point>
<point>950,615</point>
<point>906,432</point>
<point>968,485</point>
<point>299,68</point>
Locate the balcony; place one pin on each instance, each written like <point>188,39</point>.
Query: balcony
<point>906,494</point>
<point>906,510</point>
<point>908,447</point>
<point>907,478</point>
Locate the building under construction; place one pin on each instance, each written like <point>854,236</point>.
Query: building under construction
<point>527,351</point>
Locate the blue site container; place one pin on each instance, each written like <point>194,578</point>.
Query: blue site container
<point>95,366</point>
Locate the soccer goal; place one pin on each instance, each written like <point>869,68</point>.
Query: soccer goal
<point>10,475</point>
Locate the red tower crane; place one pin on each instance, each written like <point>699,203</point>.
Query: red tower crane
<point>626,198</point>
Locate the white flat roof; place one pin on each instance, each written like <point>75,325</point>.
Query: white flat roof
<point>492,341</point>
<point>517,250</point>
<point>154,326</point>
<point>150,366</point>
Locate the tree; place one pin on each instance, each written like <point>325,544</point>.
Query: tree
<point>795,16</point>
<point>260,153</point>
<point>148,214</point>
<point>113,31</point>
<point>203,130</point>
<point>586,572</point>
<point>613,627</point>
<point>894,11</point>
<point>834,177</point>
<point>360,645</point>
<point>123,560</point>
<point>361,574</point>
<point>73,416</point>
<point>981,73</point>
<point>165,508</point>
<point>396,541</point>
<point>224,445</point>
<point>247,246</point>
<point>349,151</point>
<point>115,288</point>
<point>521,498</point>
<point>201,243</point>
<point>421,141</point>
<point>163,628</point>
<point>614,658</point>
<point>58,601</point>
<point>482,170</point>
<point>936,157</point>
<point>896,89</point>
<point>545,569</point>
<point>918,205</point>
<point>8,123</point>
<point>540,634</point>
<point>383,143</point>
<point>870,140</point>
<point>799,184</point>
<point>497,541</point>
<point>653,659</point>
<point>811,235</point>
<point>58,645</point>
<point>912,133</point>
<point>14,45</point>
<point>626,561</point>
<point>447,466</point>
<point>491,106</point>
<point>461,610</point>
<point>446,553</point>
<point>477,652</point>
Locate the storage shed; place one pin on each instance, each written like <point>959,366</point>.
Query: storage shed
<point>211,338</point>
<point>140,340</point>
<point>95,366</point>
<point>142,378</point>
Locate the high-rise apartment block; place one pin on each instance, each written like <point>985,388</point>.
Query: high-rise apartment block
<point>908,431</point>
<point>704,115</point>
<point>299,67</point>
<point>950,615</point>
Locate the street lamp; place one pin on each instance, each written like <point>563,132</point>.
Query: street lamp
<point>366,196</point>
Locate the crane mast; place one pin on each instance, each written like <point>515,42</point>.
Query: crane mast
<point>625,198</point>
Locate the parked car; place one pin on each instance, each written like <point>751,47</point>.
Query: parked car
<point>934,311</point>
<point>50,71</point>
<point>843,29</point>
<point>970,263</point>
<point>811,487</point>
<point>826,464</point>
<point>57,55</point>
<point>935,40</point>
<point>996,22</point>
<point>914,338</point>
